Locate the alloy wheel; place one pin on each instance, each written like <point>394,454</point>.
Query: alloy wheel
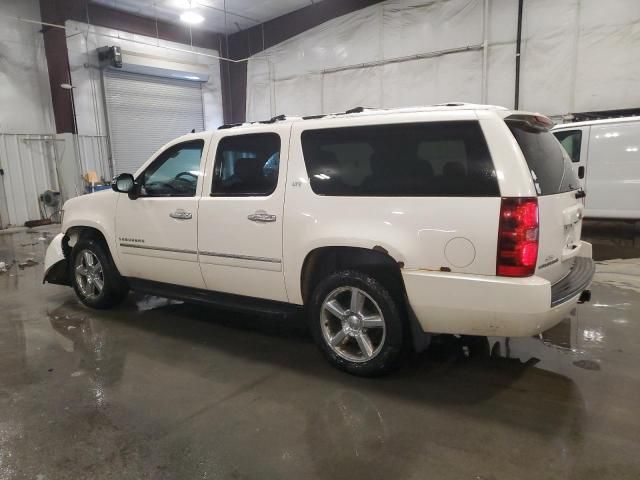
<point>352,324</point>
<point>89,274</point>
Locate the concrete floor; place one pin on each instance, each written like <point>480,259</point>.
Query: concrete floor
<point>159,389</point>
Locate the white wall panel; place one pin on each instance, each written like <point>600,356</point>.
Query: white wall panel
<point>298,95</point>
<point>29,169</point>
<point>577,55</point>
<point>548,46</point>
<point>410,83</point>
<point>352,88</point>
<point>501,75</point>
<point>414,27</point>
<point>25,96</point>
<point>460,77</point>
<point>608,53</point>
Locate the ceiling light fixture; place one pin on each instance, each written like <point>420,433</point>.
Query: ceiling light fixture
<point>191,17</point>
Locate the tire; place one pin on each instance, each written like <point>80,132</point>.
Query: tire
<point>369,343</point>
<point>94,276</point>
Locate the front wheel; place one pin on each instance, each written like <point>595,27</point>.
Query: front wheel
<point>95,278</point>
<point>357,323</point>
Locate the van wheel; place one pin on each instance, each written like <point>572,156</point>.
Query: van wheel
<point>95,278</point>
<point>357,323</point>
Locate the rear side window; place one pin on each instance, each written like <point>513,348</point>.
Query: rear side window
<point>418,159</point>
<point>247,165</point>
<point>548,161</point>
<point>571,140</point>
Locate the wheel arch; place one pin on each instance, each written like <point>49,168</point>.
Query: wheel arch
<point>377,262</point>
<point>323,261</point>
<point>88,230</point>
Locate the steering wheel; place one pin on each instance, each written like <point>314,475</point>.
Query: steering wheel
<point>187,174</point>
<point>160,184</point>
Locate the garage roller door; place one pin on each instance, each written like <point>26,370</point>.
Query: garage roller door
<point>145,112</point>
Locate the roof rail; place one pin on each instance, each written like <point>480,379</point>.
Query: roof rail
<point>346,112</point>
<point>314,117</point>
<point>228,125</point>
<point>277,118</point>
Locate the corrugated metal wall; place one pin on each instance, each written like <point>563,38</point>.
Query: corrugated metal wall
<point>94,152</point>
<point>29,164</point>
<point>29,168</point>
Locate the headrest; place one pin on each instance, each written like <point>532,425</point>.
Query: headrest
<point>454,169</point>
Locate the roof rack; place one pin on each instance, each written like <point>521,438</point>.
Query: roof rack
<point>346,112</point>
<point>360,109</point>
<point>228,125</point>
<point>277,118</point>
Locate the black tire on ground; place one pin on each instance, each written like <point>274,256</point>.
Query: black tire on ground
<point>114,287</point>
<point>383,347</point>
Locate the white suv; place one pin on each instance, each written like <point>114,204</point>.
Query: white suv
<point>382,224</point>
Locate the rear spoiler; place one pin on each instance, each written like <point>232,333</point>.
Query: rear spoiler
<point>536,122</point>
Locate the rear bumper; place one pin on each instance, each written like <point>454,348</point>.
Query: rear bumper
<point>495,306</point>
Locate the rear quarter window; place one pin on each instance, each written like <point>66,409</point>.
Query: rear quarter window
<point>418,159</point>
<point>549,163</point>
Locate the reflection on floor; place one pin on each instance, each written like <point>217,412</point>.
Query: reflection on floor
<point>162,389</point>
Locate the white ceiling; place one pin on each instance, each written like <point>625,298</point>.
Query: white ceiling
<point>225,16</point>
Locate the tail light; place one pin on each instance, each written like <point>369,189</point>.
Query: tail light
<point>517,237</point>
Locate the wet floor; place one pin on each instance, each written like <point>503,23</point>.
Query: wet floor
<point>159,389</point>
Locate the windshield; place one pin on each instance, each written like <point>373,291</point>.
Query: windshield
<point>549,163</point>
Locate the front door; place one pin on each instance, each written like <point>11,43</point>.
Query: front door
<point>156,232</point>
<point>240,214</point>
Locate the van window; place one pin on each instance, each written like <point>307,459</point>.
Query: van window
<point>571,140</point>
<point>418,159</point>
<point>549,163</point>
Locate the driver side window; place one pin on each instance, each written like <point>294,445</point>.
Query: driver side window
<point>174,173</point>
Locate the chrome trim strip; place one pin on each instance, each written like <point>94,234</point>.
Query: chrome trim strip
<point>241,257</point>
<point>207,254</point>
<point>160,249</point>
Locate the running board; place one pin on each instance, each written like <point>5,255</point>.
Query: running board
<point>218,299</point>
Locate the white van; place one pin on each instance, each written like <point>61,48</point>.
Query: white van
<point>606,159</point>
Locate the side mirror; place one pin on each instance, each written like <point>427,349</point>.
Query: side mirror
<point>123,183</point>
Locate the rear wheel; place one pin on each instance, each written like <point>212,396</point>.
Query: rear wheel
<point>95,278</point>
<point>357,323</point>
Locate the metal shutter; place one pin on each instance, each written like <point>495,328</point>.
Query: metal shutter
<point>145,112</point>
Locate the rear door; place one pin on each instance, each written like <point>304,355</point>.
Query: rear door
<point>556,184</point>
<point>241,213</point>
<point>576,142</point>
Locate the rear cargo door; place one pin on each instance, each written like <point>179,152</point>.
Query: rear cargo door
<point>576,142</point>
<point>556,184</point>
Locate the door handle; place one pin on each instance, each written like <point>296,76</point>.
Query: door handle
<point>262,217</point>
<point>181,215</point>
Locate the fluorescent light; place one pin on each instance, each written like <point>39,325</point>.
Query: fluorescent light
<point>191,77</point>
<point>191,17</point>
